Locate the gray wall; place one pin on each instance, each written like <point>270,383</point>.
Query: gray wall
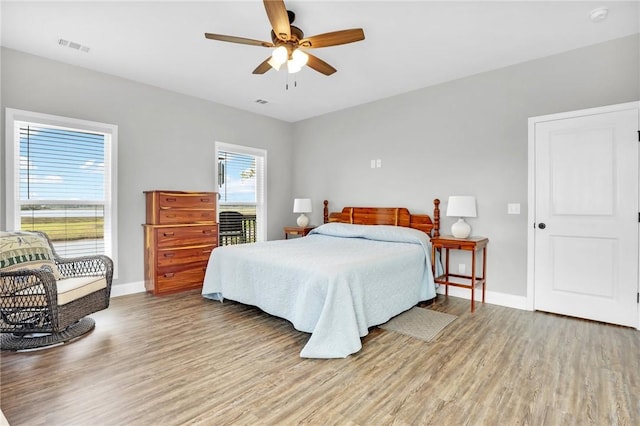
<point>165,140</point>
<point>465,137</point>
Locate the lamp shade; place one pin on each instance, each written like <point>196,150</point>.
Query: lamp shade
<point>461,206</point>
<point>302,205</point>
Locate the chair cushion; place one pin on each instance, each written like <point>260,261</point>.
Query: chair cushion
<point>26,250</point>
<point>70,289</point>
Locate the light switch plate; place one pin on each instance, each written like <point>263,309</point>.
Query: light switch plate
<point>513,208</point>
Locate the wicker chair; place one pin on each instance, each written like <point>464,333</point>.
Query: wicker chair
<point>45,299</point>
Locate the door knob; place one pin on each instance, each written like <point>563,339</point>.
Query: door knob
<point>542,225</point>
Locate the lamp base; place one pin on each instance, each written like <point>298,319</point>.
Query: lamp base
<point>303,221</point>
<point>461,229</point>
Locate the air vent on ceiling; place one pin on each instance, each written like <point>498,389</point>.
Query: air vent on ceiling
<point>73,45</point>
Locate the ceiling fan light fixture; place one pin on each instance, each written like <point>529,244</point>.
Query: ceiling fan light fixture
<point>279,55</point>
<point>299,58</point>
<point>275,65</point>
<point>293,67</point>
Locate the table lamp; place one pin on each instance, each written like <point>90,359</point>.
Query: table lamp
<point>302,206</point>
<point>461,206</point>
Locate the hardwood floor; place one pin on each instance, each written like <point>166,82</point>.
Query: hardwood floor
<point>182,359</point>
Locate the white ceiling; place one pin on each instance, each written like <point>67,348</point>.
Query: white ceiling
<point>408,44</point>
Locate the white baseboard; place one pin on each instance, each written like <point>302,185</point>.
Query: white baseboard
<point>501,299</point>
<point>127,288</point>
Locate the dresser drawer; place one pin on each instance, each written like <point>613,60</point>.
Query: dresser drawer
<point>175,216</point>
<point>178,279</point>
<point>184,236</point>
<point>186,200</point>
<point>171,207</point>
<point>183,256</point>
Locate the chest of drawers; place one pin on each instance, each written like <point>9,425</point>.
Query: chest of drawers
<point>179,236</point>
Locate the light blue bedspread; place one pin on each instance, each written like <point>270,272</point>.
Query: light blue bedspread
<point>334,283</point>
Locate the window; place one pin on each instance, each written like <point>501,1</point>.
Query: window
<point>241,193</point>
<point>61,180</point>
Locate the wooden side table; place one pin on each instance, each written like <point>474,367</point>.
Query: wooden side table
<point>472,244</point>
<point>296,230</point>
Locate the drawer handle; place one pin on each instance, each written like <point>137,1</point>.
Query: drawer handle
<point>207,251</point>
<point>171,215</point>
<point>207,231</point>
<point>204,200</point>
<point>169,275</point>
<point>169,254</point>
<point>170,200</point>
<point>169,234</point>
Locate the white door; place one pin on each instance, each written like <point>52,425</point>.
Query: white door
<point>586,214</point>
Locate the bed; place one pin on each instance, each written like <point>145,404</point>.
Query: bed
<point>343,278</point>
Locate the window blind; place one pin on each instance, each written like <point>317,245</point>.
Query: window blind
<point>237,177</point>
<point>63,187</point>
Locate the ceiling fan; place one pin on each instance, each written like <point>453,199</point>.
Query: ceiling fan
<point>289,42</point>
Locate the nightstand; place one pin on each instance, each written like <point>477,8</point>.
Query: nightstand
<point>472,244</point>
<point>296,230</point>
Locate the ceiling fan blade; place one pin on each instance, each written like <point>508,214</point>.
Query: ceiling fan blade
<point>333,39</point>
<point>320,65</point>
<point>241,40</point>
<point>263,67</point>
<point>279,19</point>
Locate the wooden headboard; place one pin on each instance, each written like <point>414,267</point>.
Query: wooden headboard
<point>396,216</point>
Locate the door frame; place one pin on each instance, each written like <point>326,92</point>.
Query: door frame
<point>531,234</point>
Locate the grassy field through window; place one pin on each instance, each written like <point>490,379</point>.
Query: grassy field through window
<point>66,228</point>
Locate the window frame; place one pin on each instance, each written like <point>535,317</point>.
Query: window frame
<point>12,168</point>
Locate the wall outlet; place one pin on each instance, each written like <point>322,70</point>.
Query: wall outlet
<point>378,163</point>
<point>373,164</point>
<point>462,268</point>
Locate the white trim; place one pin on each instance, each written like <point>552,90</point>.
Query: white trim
<point>531,217</point>
<point>261,234</point>
<point>531,184</point>
<point>3,419</point>
<point>127,288</point>
<point>584,112</point>
<point>11,185</point>
<point>492,297</point>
